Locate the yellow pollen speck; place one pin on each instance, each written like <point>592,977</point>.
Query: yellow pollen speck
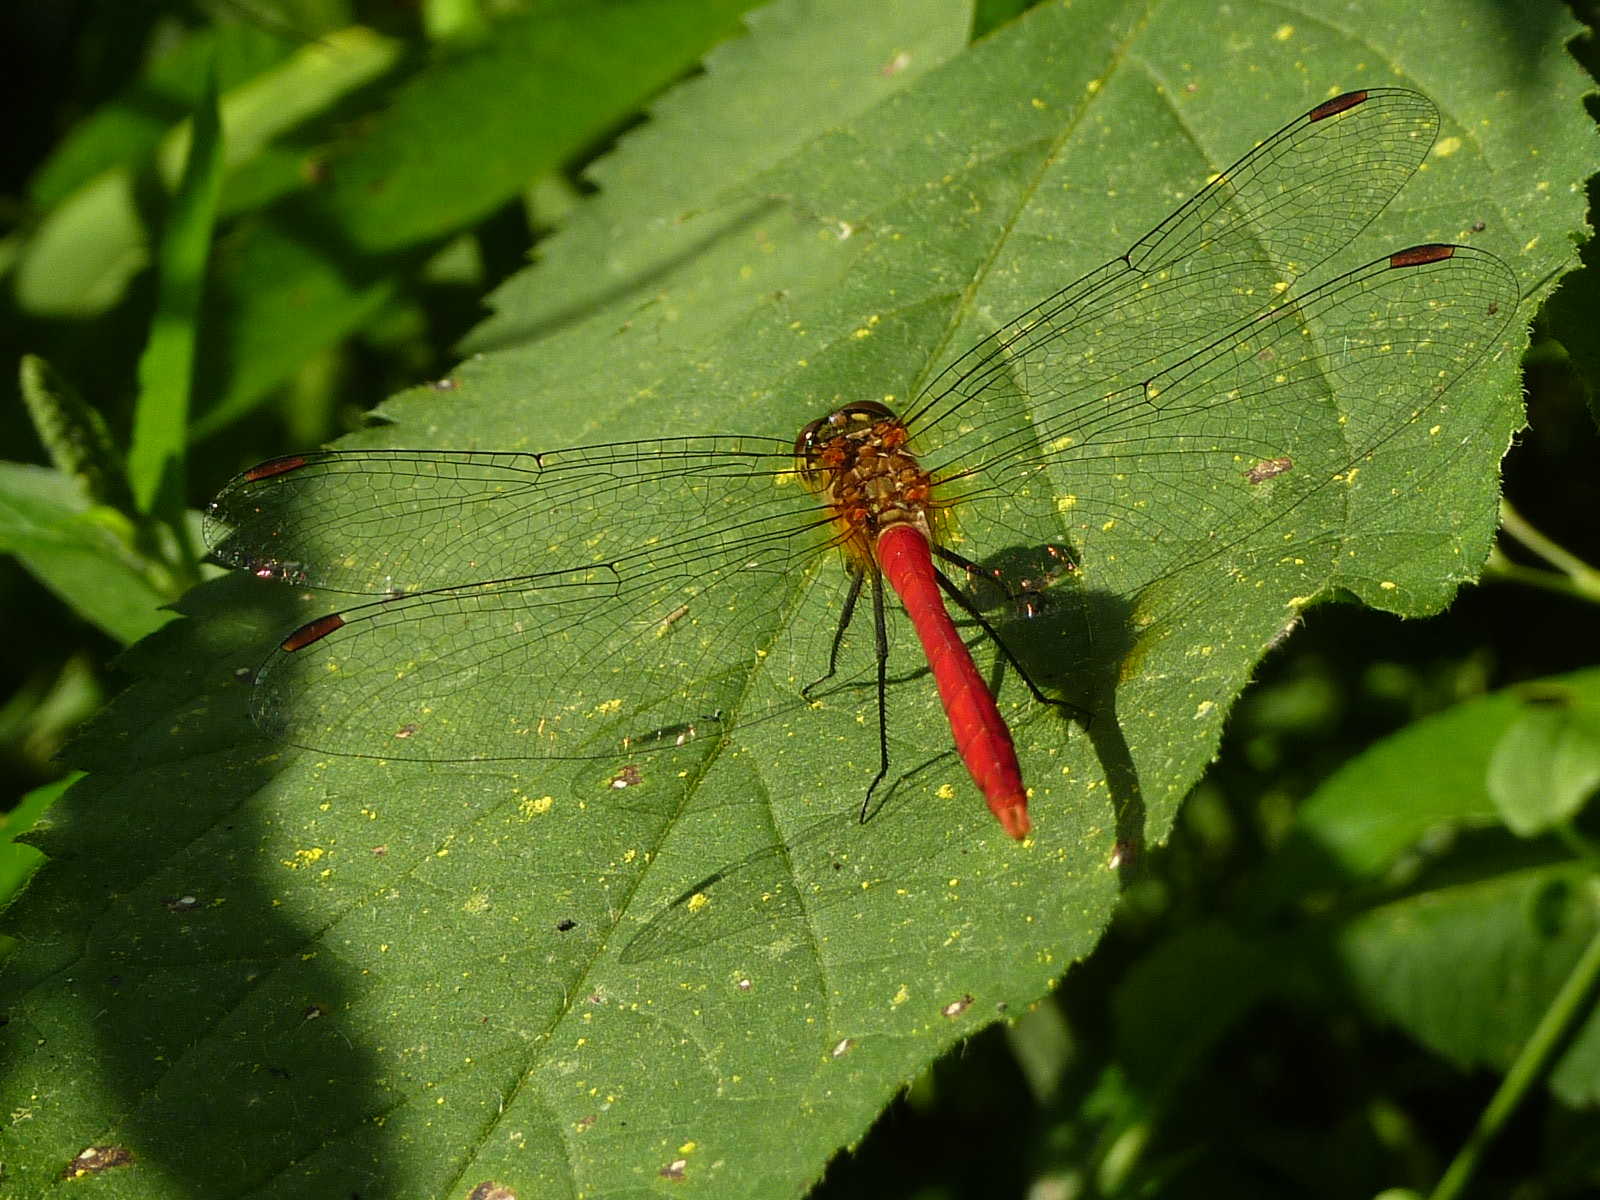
<point>1065,441</point>
<point>304,858</point>
<point>1434,432</point>
<point>901,996</point>
<point>746,272</point>
<point>1283,32</point>
<point>1205,707</point>
<point>1387,586</point>
<point>686,1148</point>
<point>1108,526</point>
<point>698,901</point>
<point>1066,502</point>
<point>610,706</point>
<point>1038,103</point>
<point>1446,146</point>
<point>535,808</point>
<point>945,791</point>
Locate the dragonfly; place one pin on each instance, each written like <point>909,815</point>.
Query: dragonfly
<point>595,602</point>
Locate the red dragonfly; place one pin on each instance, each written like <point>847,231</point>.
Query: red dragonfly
<point>593,602</point>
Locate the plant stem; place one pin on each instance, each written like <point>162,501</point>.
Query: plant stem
<point>1572,576</point>
<point>1568,1008</point>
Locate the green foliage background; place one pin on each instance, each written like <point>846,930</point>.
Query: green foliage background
<point>256,972</point>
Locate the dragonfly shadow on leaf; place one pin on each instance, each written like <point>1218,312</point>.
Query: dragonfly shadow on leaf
<point>1070,642</point>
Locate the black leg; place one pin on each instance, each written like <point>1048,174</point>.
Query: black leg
<point>880,633</point>
<point>857,577</point>
<point>998,577</point>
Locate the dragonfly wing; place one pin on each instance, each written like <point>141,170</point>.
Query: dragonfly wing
<point>649,581</point>
<point>1251,443</point>
<point>1226,255</point>
<point>397,522</point>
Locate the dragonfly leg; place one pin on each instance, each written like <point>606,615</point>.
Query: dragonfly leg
<point>880,635</point>
<point>1017,591</point>
<point>857,578</point>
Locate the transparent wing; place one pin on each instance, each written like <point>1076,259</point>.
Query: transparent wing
<point>393,522</point>
<point>574,604</point>
<point>1242,445</point>
<point>1226,255</point>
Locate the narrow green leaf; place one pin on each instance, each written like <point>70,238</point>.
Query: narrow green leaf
<point>158,454</point>
<point>75,436</point>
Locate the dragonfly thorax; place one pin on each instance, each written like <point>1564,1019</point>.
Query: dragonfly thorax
<point>857,461</point>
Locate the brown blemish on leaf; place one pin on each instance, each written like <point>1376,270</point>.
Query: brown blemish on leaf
<point>92,1160</point>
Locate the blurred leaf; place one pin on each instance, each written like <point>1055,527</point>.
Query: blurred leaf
<point>131,128</point>
<point>80,259</point>
<point>1473,950</point>
<point>477,126</point>
<point>264,118</point>
<point>410,978</point>
<point>94,239</point>
<point>1547,764</point>
<point>40,718</point>
<point>1424,785</point>
<point>82,553</point>
<point>466,136</point>
<point>18,859</point>
<point>1469,969</point>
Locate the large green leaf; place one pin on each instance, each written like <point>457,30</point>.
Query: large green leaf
<point>284,973</point>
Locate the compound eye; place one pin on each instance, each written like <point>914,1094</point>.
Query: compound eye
<point>805,445</point>
<point>869,409</point>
